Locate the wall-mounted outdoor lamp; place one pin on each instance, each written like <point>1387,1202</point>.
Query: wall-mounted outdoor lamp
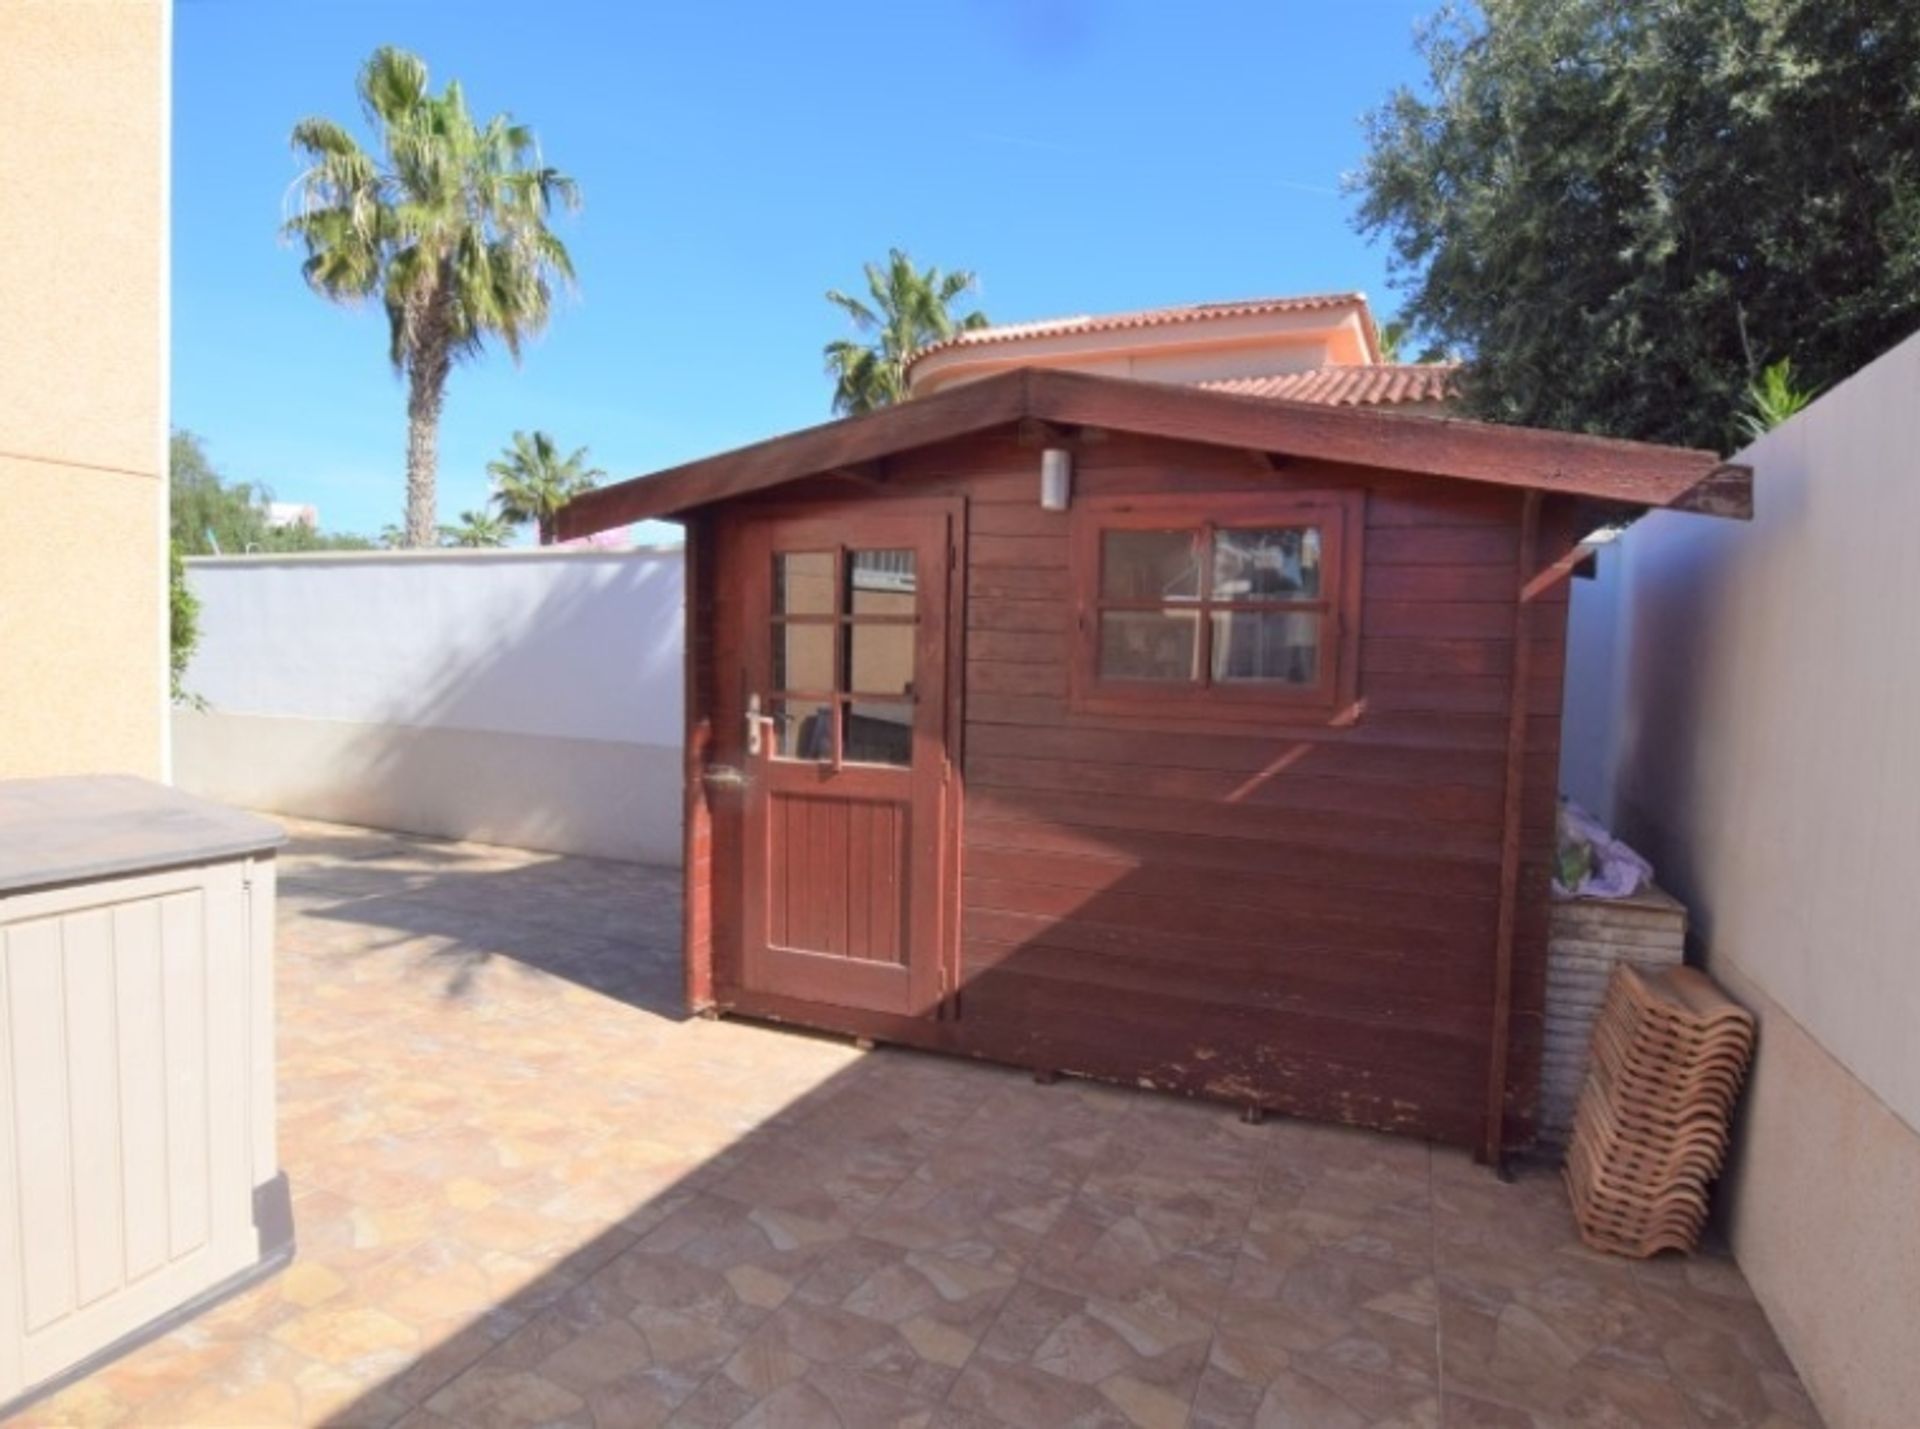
<point>1056,478</point>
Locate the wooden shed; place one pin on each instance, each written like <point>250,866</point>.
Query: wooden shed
<point>1224,764</point>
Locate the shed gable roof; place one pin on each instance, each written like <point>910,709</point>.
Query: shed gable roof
<point>1635,474</point>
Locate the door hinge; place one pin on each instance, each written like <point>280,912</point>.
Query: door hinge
<point>723,776</point>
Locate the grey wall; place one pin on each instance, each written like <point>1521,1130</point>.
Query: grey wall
<point>1761,740</point>
<point>530,698</point>
<point>1589,753</point>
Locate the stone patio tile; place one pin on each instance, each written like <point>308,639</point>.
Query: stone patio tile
<point>529,1192</point>
<point>1299,1395</point>
<point>489,1396</point>
<point>1011,1393</point>
<point>451,1352</point>
<point>984,1204</point>
<point>824,1345</point>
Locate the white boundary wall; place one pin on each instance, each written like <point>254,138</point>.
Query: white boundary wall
<point>530,698</point>
<point>1760,740</point>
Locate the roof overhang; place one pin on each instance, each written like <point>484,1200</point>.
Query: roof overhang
<point>1633,475</point>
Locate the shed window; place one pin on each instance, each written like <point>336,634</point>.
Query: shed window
<point>1214,602</point>
<point>845,624</point>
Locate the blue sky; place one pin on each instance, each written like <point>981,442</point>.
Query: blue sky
<point>737,160</point>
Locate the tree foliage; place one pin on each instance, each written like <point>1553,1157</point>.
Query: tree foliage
<point>1398,344</point>
<point>1773,397</point>
<point>532,480</point>
<point>906,308</point>
<point>448,227</point>
<point>183,624</point>
<point>476,530</point>
<point>214,516</point>
<point>1622,212</point>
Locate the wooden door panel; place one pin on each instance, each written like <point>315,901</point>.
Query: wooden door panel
<point>848,897</point>
<point>844,647</point>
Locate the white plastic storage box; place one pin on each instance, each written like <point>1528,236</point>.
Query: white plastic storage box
<point>139,1181</point>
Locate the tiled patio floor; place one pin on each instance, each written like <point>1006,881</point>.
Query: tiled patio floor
<point>528,1193</point>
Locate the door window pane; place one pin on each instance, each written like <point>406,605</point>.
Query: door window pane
<point>881,582</point>
<point>1149,645</point>
<point>802,729</point>
<point>878,732</point>
<point>880,658</point>
<point>1150,565</point>
<point>1281,563</point>
<point>1278,647</point>
<point>803,583</point>
<point>803,657</point>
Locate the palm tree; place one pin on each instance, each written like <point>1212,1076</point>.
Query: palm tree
<point>532,481</point>
<point>448,226</point>
<point>910,309</point>
<point>1771,398</point>
<point>1397,335</point>
<point>477,529</point>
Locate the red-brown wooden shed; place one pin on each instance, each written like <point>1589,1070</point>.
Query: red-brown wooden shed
<point>1234,777</point>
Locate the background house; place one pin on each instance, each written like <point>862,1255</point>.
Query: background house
<point>83,388</point>
<point>1322,348</point>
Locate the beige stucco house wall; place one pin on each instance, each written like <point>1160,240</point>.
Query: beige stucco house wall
<point>1765,752</point>
<point>83,400</point>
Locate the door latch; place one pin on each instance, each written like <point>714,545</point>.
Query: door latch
<point>756,725</point>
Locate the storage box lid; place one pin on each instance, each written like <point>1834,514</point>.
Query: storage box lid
<point>104,826</point>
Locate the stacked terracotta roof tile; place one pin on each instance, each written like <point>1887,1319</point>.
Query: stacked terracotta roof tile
<point>1377,384</point>
<point>1669,1053</point>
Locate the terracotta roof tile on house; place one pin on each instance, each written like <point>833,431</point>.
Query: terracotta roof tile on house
<point>1379,385</point>
<point>1146,317</point>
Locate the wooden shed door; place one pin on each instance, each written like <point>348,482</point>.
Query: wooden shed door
<point>846,656</point>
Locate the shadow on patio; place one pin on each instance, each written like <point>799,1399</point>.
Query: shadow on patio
<point>463,914</point>
<point>528,1191</point>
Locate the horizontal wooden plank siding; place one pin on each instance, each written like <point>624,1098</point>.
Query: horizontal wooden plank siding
<point>1297,913</point>
<point>1299,917</point>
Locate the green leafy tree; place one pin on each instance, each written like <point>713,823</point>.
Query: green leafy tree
<point>448,226</point>
<point>907,308</point>
<point>183,624</point>
<point>532,480</point>
<point>1772,397</point>
<point>211,515</point>
<point>208,513</point>
<point>477,529</point>
<point>1622,213</point>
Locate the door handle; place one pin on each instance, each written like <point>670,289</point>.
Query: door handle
<point>756,723</point>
